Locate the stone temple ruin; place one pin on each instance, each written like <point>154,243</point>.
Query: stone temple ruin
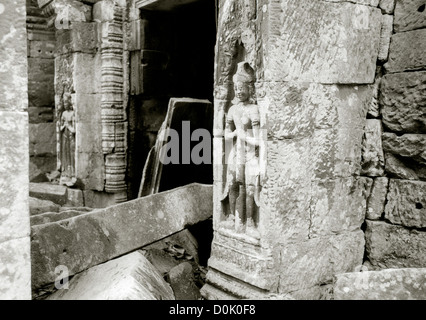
<point>200,149</point>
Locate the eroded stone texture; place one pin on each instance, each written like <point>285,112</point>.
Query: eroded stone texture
<point>131,277</point>
<point>402,101</point>
<point>340,41</point>
<point>42,139</point>
<point>372,161</point>
<point>13,53</point>
<point>93,238</point>
<point>373,3</point>
<point>182,282</point>
<point>338,205</point>
<point>385,37</point>
<point>15,269</point>
<point>316,261</point>
<point>387,6</point>
<point>14,168</point>
<point>397,169</point>
<point>406,203</point>
<point>46,191</point>
<point>409,15</point>
<point>38,206</point>
<point>407,145</point>
<point>49,217</point>
<point>376,200</point>
<point>287,190</point>
<point>403,55</point>
<point>391,284</point>
<point>392,246</point>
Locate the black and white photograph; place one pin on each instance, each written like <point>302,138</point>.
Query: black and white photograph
<point>225,157</point>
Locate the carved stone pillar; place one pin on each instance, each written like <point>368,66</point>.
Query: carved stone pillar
<point>312,198</point>
<point>114,121</point>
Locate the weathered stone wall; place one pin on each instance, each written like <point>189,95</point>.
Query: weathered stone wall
<point>395,141</point>
<point>41,95</point>
<point>15,267</point>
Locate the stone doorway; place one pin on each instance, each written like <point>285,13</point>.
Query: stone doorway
<point>175,60</point>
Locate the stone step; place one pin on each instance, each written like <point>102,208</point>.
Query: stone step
<point>130,277</point>
<point>58,194</point>
<point>39,206</point>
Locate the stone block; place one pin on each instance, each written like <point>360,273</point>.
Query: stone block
<point>286,192</point>
<point>42,139</point>
<point>40,69</point>
<point>340,41</point>
<point>75,197</point>
<point>130,277</point>
<point>336,150</point>
<point>406,203</point>
<point>334,117</point>
<point>93,238</point>
<point>338,205</point>
<point>182,282</point>
<point>39,206</point>
<point>14,177</point>
<point>90,170</point>
<point>390,284</point>
<point>36,175</point>
<point>13,57</point>
<point>87,73</point>
<point>407,145</point>
<point>88,110</point>
<point>409,15</point>
<point>82,37</point>
<point>377,198</point>
<point>406,51</point>
<point>45,164</point>
<point>395,168</point>
<point>392,246</point>
<point>41,49</point>
<point>385,37</point>
<point>47,191</point>
<point>41,114</point>
<point>314,262</point>
<point>41,95</point>
<point>97,199</point>
<point>103,11</point>
<point>387,6</point>
<point>402,99</point>
<point>372,157</point>
<point>15,269</point>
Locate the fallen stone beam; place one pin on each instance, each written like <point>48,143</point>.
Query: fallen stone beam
<point>89,239</point>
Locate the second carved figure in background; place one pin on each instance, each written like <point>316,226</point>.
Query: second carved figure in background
<point>67,142</point>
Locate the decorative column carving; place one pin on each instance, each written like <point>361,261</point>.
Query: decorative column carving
<point>114,122</point>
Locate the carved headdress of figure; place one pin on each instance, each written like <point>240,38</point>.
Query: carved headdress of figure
<point>244,73</point>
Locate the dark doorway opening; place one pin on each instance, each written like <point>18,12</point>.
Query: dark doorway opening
<point>176,60</point>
